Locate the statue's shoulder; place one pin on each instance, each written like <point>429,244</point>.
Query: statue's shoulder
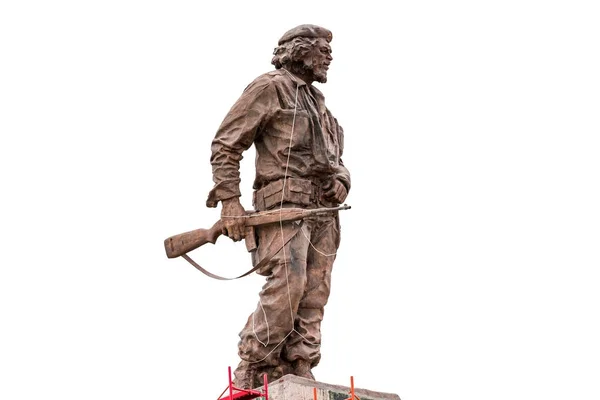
<point>271,78</point>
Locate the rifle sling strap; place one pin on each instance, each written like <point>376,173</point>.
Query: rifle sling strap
<point>259,265</point>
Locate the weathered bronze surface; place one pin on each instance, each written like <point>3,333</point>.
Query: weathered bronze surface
<point>178,245</point>
<point>299,147</point>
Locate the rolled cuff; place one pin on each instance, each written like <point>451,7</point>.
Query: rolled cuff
<point>223,191</point>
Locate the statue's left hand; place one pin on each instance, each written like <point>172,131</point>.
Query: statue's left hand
<point>336,192</point>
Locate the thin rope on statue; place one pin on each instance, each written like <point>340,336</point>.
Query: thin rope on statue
<point>283,247</point>
<point>287,165</point>
<point>317,250</point>
<point>276,346</point>
<point>266,323</point>
<point>281,227</point>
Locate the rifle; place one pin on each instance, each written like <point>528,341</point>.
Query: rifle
<point>183,243</point>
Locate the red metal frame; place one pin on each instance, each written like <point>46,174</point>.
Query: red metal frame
<point>352,395</point>
<point>245,394</point>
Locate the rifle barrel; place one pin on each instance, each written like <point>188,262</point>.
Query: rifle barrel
<point>288,214</point>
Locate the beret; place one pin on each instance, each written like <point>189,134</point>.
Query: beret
<point>307,30</point>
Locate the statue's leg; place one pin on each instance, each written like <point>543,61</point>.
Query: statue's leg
<point>303,347</point>
<point>261,340</point>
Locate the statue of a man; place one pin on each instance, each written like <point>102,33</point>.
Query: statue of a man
<point>298,164</point>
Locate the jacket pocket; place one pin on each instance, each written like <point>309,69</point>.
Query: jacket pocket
<point>285,125</point>
<point>296,191</point>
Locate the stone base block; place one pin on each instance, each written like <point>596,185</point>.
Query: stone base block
<point>292,387</point>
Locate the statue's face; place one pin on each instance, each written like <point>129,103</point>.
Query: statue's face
<point>320,58</point>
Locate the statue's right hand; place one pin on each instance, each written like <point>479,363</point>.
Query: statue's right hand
<point>232,217</point>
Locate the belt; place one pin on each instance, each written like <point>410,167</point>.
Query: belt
<point>301,191</point>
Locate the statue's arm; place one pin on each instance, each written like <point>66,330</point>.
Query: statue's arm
<point>338,188</point>
<point>235,135</point>
<point>342,173</point>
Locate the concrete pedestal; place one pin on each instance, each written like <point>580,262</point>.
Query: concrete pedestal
<point>292,387</point>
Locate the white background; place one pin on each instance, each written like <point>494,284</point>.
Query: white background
<point>468,264</point>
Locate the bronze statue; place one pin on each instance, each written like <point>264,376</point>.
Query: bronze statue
<point>299,147</point>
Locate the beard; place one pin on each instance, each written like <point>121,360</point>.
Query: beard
<point>320,74</point>
<point>317,73</point>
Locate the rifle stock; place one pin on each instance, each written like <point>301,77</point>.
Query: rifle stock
<point>178,245</point>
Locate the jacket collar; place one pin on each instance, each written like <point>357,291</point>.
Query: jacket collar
<point>316,93</point>
<point>294,78</point>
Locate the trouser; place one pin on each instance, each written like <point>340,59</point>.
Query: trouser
<point>286,325</point>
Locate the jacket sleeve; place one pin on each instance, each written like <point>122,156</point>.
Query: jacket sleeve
<point>235,135</point>
<point>342,174</point>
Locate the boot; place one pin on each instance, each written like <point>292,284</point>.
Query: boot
<point>302,368</point>
<point>284,368</point>
<point>245,377</point>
